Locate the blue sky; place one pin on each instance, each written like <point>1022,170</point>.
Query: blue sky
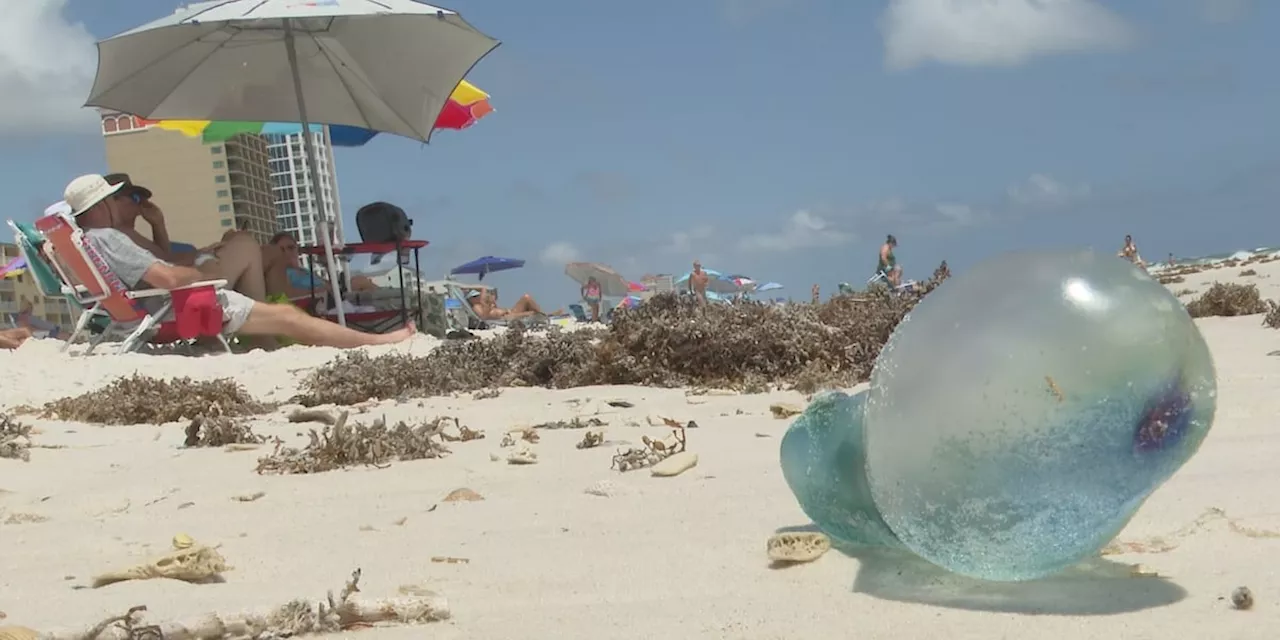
<point>779,138</point>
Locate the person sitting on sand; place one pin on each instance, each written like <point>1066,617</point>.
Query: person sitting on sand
<point>888,264</point>
<point>591,295</point>
<point>27,319</point>
<point>698,281</point>
<point>1130,252</point>
<point>286,276</point>
<point>13,338</point>
<point>485,304</point>
<point>95,209</point>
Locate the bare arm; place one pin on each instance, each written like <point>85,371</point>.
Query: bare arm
<point>159,232</point>
<point>146,243</point>
<point>171,276</point>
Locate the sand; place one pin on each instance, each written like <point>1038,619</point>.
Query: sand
<point>680,557</point>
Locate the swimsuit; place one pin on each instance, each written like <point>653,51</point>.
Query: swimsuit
<point>592,294</point>
<point>887,264</point>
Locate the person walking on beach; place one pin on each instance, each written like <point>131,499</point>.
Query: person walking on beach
<point>888,263</point>
<point>95,209</point>
<point>698,281</point>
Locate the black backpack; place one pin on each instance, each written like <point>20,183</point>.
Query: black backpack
<point>382,222</point>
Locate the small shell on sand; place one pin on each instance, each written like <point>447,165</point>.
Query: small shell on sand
<point>523,456</point>
<point>797,546</point>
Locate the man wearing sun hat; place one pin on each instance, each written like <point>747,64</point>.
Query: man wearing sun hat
<point>96,211</point>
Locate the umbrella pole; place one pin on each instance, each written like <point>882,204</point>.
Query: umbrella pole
<point>314,169</point>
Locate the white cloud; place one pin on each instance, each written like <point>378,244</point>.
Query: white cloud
<point>996,32</point>
<point>688,241</point>
<point>803,230</point>
<point>46,70</point>
<point>1043,191</point>
<point>558,254</point>
<point>1226,10</point>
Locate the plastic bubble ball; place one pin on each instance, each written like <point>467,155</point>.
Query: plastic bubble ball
<point>1025,409</point>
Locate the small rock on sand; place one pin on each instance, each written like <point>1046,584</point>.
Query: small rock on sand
<point>675,464</point>
<point>523,456</point>
<point>797,546</point>
<point>463,495</point>
<point>784,410</point>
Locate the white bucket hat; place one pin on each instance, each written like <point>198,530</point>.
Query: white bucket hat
<point>59,208</point>
<point>86,191</point>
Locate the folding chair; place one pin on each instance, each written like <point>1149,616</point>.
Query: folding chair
<point>88,280</point>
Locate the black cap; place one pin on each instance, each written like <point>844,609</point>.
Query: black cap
<point>129,186</point>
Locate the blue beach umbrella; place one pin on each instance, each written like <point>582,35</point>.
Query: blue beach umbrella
<point>488,264</point>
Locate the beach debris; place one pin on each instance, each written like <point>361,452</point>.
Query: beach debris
<point>782,410</point>
<point>1272,319</point>
<point>450,560</point>
<point>14,632</point>
<point>485,394</point>
<point>196,564</point>
<point>577,422</point>
<point>523,433</point>
<point>674,464</point>
<point>619,404</point>
<point>1228,299</point>
<point>602,488</point>
<point>346,445</point>
<point>1242,598</point>
<point>793,547</point>
<point>183,541</point>
<point>666,342</point>
<point>463,495</point>
<point>1170,541</point>
<point>1142,571</point>
<point>17,517</point>
<point>15,439</point>
<point>347,611</point>
<point>591,440</point>
<point>249,497</point>
<point>220,431</point>
<point>313,415</point>
<point>653,451</point>
<point>456,432</point>
<point>524,456</point>
<point>704,391</point>
<point>141,399</point>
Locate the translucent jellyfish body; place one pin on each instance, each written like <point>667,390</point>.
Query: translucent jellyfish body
<point>1021,414</point>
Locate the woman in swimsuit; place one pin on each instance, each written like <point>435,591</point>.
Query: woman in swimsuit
<point>591,295</point>
<point>1130,252</point>
<point>888,264</point>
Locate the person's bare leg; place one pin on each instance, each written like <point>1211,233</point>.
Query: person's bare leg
<point>13,338</point>
<point>240,264</point>
<point>290,322</point>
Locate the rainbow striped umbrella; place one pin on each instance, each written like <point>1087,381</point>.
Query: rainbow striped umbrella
<point>466,105</point>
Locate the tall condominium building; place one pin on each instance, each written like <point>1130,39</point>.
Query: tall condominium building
<point>291,183</point>
<point>205,189</point>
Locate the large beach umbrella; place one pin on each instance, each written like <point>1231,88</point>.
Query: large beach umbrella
<point>382,65</point>
<point>769,286</point>
<point>466,106</point>
<point>488,264</point>
<point>612,284</point>
<point>14,268</point>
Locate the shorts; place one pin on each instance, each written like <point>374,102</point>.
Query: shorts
<point>236,308</point>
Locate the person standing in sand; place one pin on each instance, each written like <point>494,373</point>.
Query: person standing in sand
<point>698,281</point>
<point>888,263</point>
<point>95,209</point>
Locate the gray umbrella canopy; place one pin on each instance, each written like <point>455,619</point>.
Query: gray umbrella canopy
<point>385,65</point>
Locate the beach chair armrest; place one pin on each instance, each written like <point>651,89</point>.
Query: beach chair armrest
<point>151,293</point>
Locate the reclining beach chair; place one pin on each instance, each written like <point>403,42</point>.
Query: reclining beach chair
<point>579,313</point>
<point>86,279</point>
<point>883,278</point>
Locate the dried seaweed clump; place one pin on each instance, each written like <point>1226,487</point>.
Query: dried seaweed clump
<point>15,439</point>
<point>668,341</point>
<point>1225,299</point>
<point>219,432</point>
<point>1272,319</point>
<point>144,400</point>
<point>348,445</point>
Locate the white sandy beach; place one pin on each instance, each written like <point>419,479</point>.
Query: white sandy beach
<point>675,557</point>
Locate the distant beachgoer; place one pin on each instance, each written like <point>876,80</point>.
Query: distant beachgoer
<point>27,319</point>
<point>285,275</point>
<point>591,295</point>
<point>817,294</point>
<point>485,304</point>
<point>698,281</point>
<point>13,338</point>
<point>888,264</point>
<point>1130,252</point>
<point>1172,260</point>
